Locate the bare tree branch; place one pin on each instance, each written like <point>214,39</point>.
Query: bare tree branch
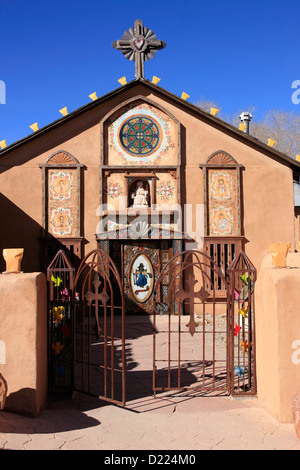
<point>280,125</point>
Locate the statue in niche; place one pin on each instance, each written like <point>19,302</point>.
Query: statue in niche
<point>140,195</point>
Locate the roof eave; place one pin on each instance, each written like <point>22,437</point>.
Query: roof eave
<point>214,120</point>
<point>64,119</point>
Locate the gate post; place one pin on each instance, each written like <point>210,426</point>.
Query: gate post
<point>241,326</point>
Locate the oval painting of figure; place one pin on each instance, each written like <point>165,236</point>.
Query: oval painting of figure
<point>141,278</point>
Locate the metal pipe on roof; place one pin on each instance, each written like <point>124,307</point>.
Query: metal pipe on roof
<point>245,118</point>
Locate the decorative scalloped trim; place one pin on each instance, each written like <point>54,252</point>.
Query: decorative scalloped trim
<point>61,158</point>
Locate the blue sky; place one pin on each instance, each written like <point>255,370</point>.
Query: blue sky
<point>55,53</point>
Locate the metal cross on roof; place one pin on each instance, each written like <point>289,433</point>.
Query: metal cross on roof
<point>139,44</point>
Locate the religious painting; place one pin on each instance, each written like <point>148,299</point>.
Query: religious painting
<point>141,135</point>
<point>221,223</point>
<point>61,221</point>
<point>63,202</point>
<point>140,265</point>
<point>141,278</point>
<point>60,184</point>
<point>223,202</point>
<point>220,185</point>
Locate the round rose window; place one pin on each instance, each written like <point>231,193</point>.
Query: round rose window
<point>139,135</point>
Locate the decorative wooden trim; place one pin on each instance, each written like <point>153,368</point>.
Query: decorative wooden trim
<point>134,167</point>
<point>220,160</point>
<point>123,105</point>
<point>72,246</point>
<point>103,148</point>
<point>214,247</point>
<point>135,211</point>
<point>142,175</point>
<point>61,158</point>
<point>173,173</point>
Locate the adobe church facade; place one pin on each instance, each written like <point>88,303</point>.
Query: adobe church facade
<point>144,175</point>
<point>206,182</point>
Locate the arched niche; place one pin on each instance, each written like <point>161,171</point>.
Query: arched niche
<point>62,205</point>
<point>133,187</point>
<point>222,195</point>
<point>223,228</point>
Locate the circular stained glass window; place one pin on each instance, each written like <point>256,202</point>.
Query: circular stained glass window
<point>139,135</point>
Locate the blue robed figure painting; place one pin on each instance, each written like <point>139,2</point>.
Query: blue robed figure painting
<point>141,276</point>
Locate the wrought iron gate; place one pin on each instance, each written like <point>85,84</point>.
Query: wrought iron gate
<point>241,327</point>
<point>87,327</point>
<point>60,276</point>
<point>221,345</point>
<point>99,340</point>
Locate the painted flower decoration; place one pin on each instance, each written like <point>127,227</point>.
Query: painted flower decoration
<point>114,190</point>
<point>165,190</point>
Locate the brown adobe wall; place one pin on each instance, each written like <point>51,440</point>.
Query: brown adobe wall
<point>268,200</point>
<point>278,337</point>
<point>267,184</point>
<point>23,329</point>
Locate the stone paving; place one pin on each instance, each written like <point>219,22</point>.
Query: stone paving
<point>170,422</point>
<point>165,424</point>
